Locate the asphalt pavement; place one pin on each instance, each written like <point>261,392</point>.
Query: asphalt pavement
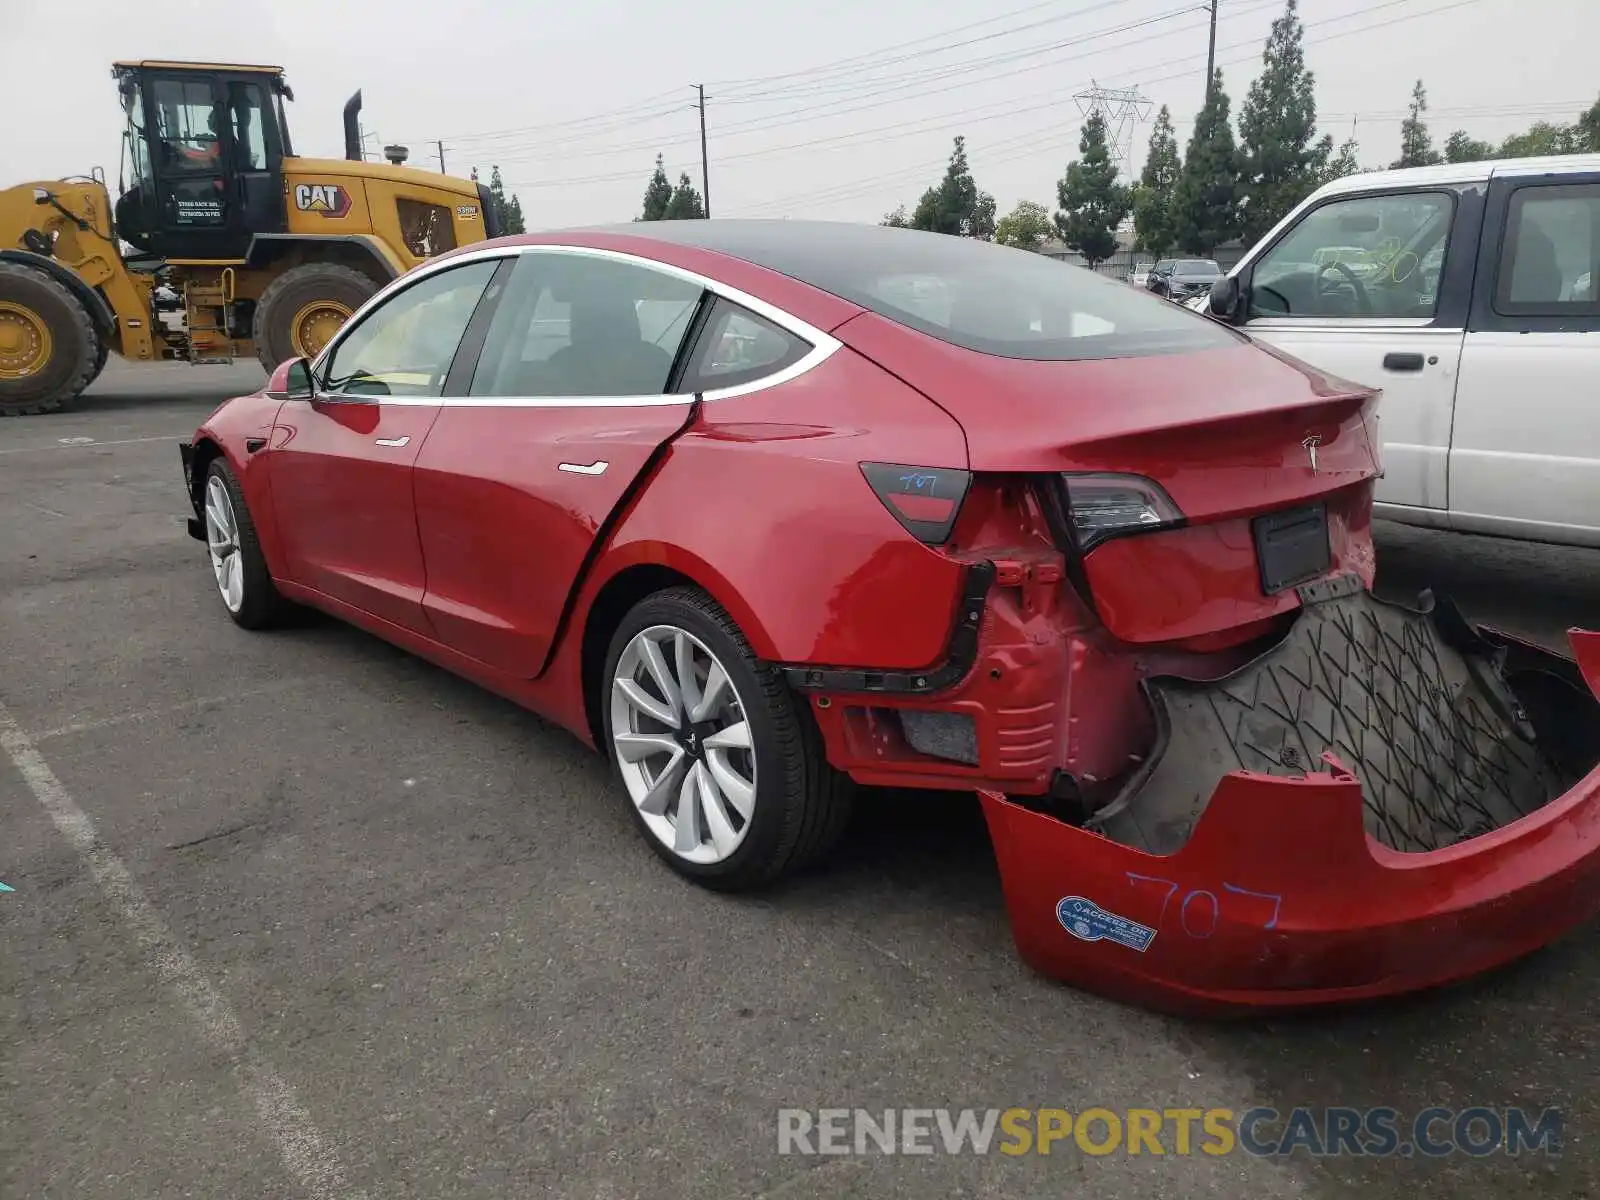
<point>298,915</point>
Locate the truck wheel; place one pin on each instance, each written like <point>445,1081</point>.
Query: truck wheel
<point>48,345</point>
<point>304,307</point>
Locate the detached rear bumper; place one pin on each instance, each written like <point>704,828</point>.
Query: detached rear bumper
<point>1279,897</point>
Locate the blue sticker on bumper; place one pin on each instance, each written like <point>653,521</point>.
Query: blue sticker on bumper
<point>1087,921</point>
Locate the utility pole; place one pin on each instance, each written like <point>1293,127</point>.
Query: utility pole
<point>1211,52</point>
<point>705,163</point>
<point>442,171</point>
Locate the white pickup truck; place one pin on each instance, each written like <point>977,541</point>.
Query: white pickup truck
<point>1467,293</point>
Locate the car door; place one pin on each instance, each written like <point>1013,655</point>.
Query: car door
<point>1374,287</point>
<point>1525,453</point>
<point>567,407</point>
<point>341,462</point>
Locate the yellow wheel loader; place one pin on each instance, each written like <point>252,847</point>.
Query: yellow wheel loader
<point>221,244</point>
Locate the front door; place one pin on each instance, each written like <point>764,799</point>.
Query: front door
<point>341,463</point>
<point>1525,455</point>
<point>1357,288</point>
<point>568,405</point>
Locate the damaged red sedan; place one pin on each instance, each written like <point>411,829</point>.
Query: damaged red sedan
<point>764,508</point>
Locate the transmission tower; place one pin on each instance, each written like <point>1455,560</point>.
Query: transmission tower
<point>1121,109</point>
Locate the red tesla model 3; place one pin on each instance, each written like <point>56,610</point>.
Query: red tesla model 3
<point>764,509</point>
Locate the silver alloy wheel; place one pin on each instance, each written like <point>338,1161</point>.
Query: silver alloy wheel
<point>222,540</point>
<point>683,744</point>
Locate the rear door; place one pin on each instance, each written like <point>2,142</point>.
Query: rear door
<point>341,463</point>
<point>1374,288</point>
<point>1525,455</point>
<point>567,407</point>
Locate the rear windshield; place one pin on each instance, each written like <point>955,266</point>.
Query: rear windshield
<point>984,297</point>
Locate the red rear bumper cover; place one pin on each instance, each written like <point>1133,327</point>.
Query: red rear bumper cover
<point>1280,898</point>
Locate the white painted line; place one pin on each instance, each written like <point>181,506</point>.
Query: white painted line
<point>306,1154</point>
<point>166,710</point>
<point>92,445</point>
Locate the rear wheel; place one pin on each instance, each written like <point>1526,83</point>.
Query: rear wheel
<point>48,346</point>
<point>304,307</point>
<point>723,768</point>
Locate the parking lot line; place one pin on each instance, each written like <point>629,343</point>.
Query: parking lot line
<point>166,710</point>
<point>305,1152</point>
<point>93,445</point>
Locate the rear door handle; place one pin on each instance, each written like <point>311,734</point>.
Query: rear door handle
<point>1402,362</point>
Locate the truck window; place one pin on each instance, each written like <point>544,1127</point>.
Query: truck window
<point>1548,261</point>
<point>1365,256</point>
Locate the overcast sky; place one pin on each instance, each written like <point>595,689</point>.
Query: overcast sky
<point>573,100</point>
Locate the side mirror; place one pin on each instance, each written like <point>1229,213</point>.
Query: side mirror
<point>292,380</point>
<point>1224,298</point>
<point>41,196</point>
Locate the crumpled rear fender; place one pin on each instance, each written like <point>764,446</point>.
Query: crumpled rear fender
<point>1280,898</point>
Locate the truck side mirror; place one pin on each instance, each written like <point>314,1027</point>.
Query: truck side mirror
<point>1224,298</point>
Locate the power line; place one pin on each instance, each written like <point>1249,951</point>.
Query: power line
<point>869,184</point>
<point>809,114</point>
<point>1008,107</point>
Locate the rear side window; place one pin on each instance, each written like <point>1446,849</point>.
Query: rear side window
<point>739,347</point>
<point>1548,264</point>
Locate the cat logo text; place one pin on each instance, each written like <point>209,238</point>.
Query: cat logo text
<point>329,199</point>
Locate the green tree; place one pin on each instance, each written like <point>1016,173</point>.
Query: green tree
<point>1459,148</point>
<point>956,206</point>
<point>1589,129</point>
<point>1206,207</point>
<point>1092,202</point>
<point>509,211</point>
<point>897,219</point>
<point>1281,157</point>
<point>1027,227</point>
<point>1344,163</point>
<point>1542,139</point>
<point>1153,221</point>
<point>657,194</point>
<point>1416,147</point>
<point>685,204</point>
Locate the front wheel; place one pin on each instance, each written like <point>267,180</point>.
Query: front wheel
<point>723,768</point>
<point>237,564</point>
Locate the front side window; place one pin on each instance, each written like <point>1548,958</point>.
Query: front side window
<point>405,346</point>
<point>1548,262</point>
<point>136,151</point>
<point>584,325</point>
<point>739,347</point>
<point>1368,256</point>
<point>188,125</point>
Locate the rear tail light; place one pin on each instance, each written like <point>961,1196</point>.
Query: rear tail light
<point>926,500</point>
<point>1102,506</point>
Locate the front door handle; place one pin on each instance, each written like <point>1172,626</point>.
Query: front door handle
<point>399,441</point>
<point>1402,362</point>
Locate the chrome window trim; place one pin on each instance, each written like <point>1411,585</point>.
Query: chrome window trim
<point>823,344</point>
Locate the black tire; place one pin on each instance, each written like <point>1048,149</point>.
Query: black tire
<point>262,605</point>
<point>99,361</point>
<point>75,347</point>
<point>293,290</point>
<point>801,803</point>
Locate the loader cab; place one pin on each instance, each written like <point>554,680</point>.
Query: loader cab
<point>203,155</point>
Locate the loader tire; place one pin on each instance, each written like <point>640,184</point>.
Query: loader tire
<point>302,308</point>
<point>48,345</point>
